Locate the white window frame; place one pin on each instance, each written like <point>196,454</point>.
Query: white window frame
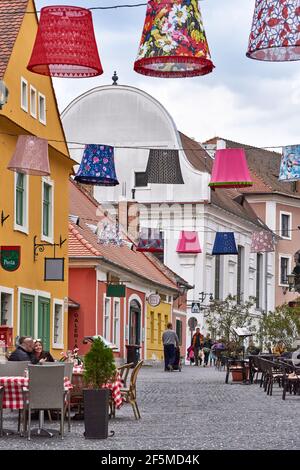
<point>42,119</point>
<point>105,301</point>
<point>59,345</point>
<point>138,188</point>
<point>33,101</point>
<point>25,227</point>
<point>50,238</point>
<point>24,98</point>
<point>282,255</point>
<point>10,291</point>
<point>290,225</point>
<point>116,340</point>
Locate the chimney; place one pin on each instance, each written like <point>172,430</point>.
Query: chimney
<point>122,214</point>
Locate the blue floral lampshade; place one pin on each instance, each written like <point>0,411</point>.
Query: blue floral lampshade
<point>97,166</point>
<point>225,244</point>
<point>290,164</point>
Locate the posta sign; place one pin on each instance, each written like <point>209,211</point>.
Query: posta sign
<point>10,257</point>
<point>154,300</point>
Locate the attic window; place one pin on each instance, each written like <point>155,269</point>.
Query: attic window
<point>24,94</point>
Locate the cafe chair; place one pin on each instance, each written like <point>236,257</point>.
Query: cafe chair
<point>124,372</point>
<point>13,368</point>
<point>45,392</point>
<point>129,394</point>
<point>1,410</point>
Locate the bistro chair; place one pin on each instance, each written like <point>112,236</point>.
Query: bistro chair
<point>129,394</point>
<point>13,368</point>
<point>124,372</point>
<point>76,394</point>
<point>45,392</point>
<point>290,379</point>
<point>1,410</point>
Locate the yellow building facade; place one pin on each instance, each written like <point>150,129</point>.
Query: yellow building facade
<point>157,320</point>
<point>33,209</point>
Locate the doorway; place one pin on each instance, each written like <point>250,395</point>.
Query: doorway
<point>135,322</point>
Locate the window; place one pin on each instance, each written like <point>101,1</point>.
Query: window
<point>42,108</point>
<point>152,327</point>
<point>24,94</point>
<point>217,276</point>
<point>58,326</point>
<point>240,277</point>
<point>159,328</point>
<point>140,179</point>
<point>33,103</point>
<point>21,202</point>
<point>179,331</point>
<point>259,259</point>
<point>166,321</point>
<point>106,318</point>
<point>47,210</point>
<point>6,309</point>
<point>285,225</point>
<point>116,330</point>
<point>284,269</point>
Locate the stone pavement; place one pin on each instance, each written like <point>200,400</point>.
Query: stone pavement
<point>193,409</point>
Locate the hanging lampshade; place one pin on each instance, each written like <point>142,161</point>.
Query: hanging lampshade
<point>151,241</point>
<point>230,169</point>
<point>30,156</point>
<point>290,163</point>
<point>225,244</point>
<point>65,44</point>
<point>109,235</point>
<point>188,243</point>
<point>173,42</point>
<point>97,166</point>
<point>275,34</point>
<point>163,167</point>
<point>262,241</point>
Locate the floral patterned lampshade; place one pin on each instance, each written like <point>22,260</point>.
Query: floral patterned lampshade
<point>225,244</point>
<point>230,169</point>
<point>262,241</point>
<point>290,164</point>
<point>275,34</point>
<point>173,42</point>
<point>65,44</point>
<point>150,241</point>
<point>30,156</point>
<point>97,166</point>
<point>163,167</point>
<point>188,243</point>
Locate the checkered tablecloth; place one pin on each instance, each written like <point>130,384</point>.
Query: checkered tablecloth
<point>13,386</point>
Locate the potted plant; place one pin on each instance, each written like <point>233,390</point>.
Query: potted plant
<point>99,366</point>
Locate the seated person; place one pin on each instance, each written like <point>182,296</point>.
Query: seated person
<point>279,348</point>
<point>41,355</point>
<point>24,351</point>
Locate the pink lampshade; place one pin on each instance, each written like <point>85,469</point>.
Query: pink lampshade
<point>230,169</point>
<point>188,243</point>
<point>173,42</point>
<point>31,156</point>
<point>65,44</point>
<point>275,33</point>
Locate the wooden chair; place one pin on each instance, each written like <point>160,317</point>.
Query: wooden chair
<point>129,394</point>
<point>124,372</point>
<point>290,379</point>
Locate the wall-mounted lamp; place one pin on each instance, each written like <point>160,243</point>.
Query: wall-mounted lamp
<point>3,94</point>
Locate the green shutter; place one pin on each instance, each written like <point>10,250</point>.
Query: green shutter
<point>44,322</point>
<point>20,199</point>
<point>27,315</point>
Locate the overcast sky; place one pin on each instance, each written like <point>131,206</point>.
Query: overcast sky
<point>242,99</point>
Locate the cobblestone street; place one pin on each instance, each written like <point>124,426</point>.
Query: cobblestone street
<point>193,409</point>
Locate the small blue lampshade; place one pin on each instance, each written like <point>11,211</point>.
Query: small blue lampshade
<point>97,166</point>
<point>290,164</point>
<point>225,244</point>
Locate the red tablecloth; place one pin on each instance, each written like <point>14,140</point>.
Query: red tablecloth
<point>13,386</point>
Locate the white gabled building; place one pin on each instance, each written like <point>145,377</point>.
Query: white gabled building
<point>128,118</point>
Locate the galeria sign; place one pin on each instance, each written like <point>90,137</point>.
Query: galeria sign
<point>10,257</point>
<point>154,300</point>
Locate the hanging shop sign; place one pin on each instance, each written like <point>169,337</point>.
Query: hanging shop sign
<point>54,269</point>
<point>154,300</point>
<point>10,257</point>
<point>116,290</point>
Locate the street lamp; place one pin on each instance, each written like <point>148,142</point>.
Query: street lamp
<point>203,296</point>
<point>3,94</point>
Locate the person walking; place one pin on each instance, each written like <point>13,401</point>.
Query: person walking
<point>197,342</point>
<point>170,341</point>
<point>207,344</point>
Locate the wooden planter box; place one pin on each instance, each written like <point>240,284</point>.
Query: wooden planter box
<point>237,375</point>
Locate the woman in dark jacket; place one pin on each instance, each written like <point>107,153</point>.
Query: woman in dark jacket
<point>40,354</point>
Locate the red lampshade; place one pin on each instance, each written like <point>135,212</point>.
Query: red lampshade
<point>230,169</point>
<point>275,34</point>
<point>188,243</point>
<point>30,156</point>
<point>65,44</point>
<point>173,42</point>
